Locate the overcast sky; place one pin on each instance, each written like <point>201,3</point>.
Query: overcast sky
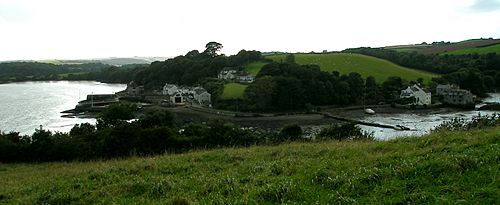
<point>77,29</point>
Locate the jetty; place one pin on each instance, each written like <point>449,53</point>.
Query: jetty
<point>371,124</point>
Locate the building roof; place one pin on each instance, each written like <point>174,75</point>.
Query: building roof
<point>200,91</point>
<point>168,86</point>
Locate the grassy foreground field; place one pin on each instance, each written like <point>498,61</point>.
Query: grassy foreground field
<point>233,91</point>
<point>443,168</point>
<point>362,64</point>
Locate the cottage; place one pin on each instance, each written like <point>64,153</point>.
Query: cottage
<point>247,78</point>
<point>453,95</point>
<point>227,74</point>
<point>170,89</point>
<point>232,74</point>
<point>443,89</point>
<point>202,96</point>
<point>134,89</point>
<point>177,98</point>
<point>459,97</point>
<point>421,96</point>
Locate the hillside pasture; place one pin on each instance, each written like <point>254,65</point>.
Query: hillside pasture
<point>445,48</point>
<point>478,50</point>
<point>233,91</point>
<point>254,68</point>
<point>346,63</point>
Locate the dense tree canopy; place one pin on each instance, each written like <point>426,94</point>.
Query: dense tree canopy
<point>212,48</point>
<point>23,71</point>
<point>288,86</point>
<point>192,68</point>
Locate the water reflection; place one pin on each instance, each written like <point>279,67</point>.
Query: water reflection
<point>25,106</point>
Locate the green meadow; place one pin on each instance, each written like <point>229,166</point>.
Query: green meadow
<point>442,168</point>
<point>254,67</point>
<point>478,50</point>
<point>362,64</point>
<point>233,91</point>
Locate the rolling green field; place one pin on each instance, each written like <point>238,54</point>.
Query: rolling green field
<point>254,67</point>
<point>362,64</point>
<point>446,47</point>
<point>233,91</point>
<point>479,50</point>
<point>443,168</point>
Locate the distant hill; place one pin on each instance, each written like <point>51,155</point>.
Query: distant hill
<point>478,50</point>
<point>445,47</point>
<point>108,61</point>
<point>362,64</point>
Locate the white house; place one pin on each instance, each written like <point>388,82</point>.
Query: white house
<point>232,74</point>
<point>227,74</point>
<point>202,96</point>
<point>245,78</point>
<point>421,96</point>
<point>170,89</point>
<point>177,98</point>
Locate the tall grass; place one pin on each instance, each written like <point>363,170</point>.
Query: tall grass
<point>442,168</point>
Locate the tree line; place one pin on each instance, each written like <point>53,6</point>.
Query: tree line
<point>35,71</point>
<point>194,67</point>
<point>23,71</point>
<point>156,132</point>
<point>284,86</point>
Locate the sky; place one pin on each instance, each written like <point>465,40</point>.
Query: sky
<point>82,29</point>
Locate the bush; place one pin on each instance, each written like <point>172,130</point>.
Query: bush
<point>343,132</point>
<point>157,118</point>
<point>461,124</point>
<point>291,132</point>
<point>115,114</point>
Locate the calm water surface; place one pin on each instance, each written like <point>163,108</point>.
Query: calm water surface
<point>420,124</point>
<point>25,106</point>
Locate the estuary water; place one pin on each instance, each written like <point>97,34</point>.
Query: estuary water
<point>420,124</point>
<point>27,105</point>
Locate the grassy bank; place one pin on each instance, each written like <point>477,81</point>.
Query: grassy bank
<point>444,168</point>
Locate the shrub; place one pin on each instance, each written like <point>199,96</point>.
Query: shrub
<point>343,132</point>
<point>461,124</point>
<point>291,132</point>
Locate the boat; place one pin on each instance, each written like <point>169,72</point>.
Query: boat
<point>401,127</point>
<point>369,111</point>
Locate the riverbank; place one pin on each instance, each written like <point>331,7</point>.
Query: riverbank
<point>407,170</point>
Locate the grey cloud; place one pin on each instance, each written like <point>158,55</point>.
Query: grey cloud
<point>485,5</point>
